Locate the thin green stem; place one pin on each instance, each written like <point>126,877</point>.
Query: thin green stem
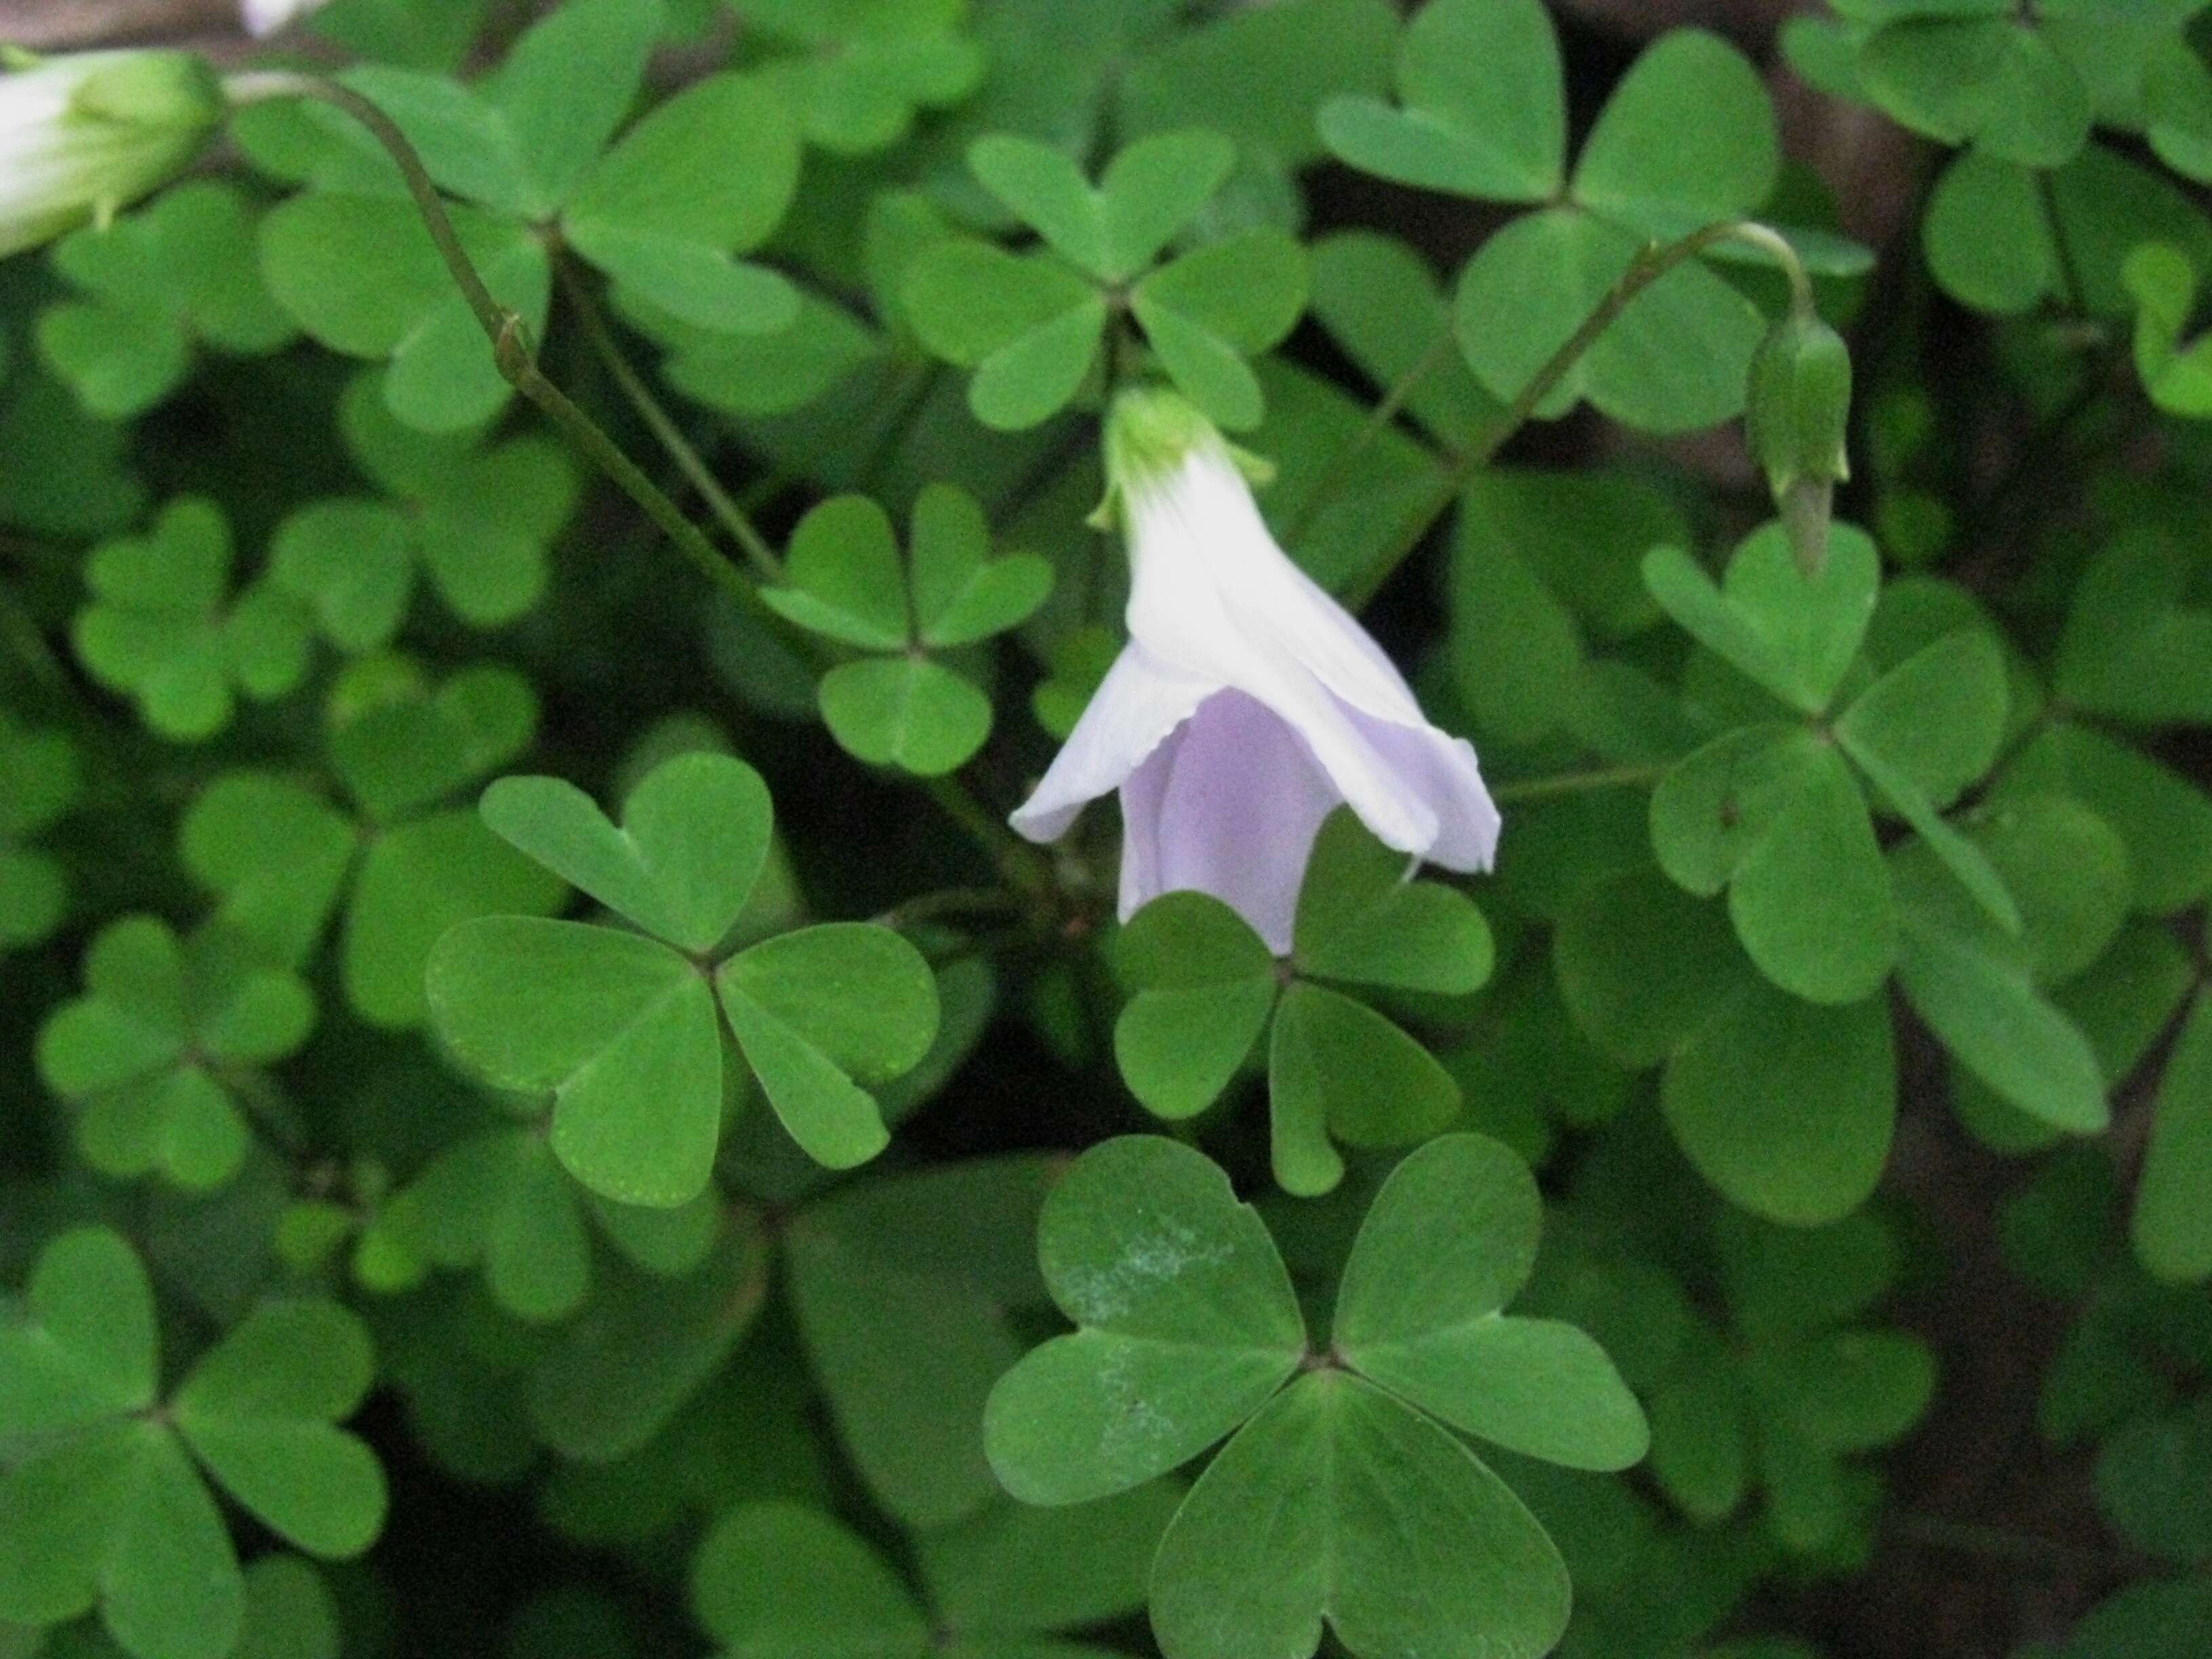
<point>659,421</point>
<point>510,339</point>
<point>1337,473</point>
<point>1577,783</point>
<point>950,901</point>
<point>1649,265</point>
<point>1024,866</point>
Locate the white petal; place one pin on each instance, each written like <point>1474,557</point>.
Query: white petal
<point>1229,804</point>
<point>1201,527</point>
<point>1140,700</point>
<point>1443,769</point>
<point>267,16</point>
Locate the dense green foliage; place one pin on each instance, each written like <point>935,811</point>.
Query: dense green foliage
<point>544,1112</point>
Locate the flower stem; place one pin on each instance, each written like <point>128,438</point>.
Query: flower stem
<point>658,421</point>
<point>503,327</point>
<point>1649,265</point>
<point>1024,865</point>
<point>1337,473</point>
<point>1577,783</point>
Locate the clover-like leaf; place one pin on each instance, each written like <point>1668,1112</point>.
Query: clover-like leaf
<point>165,629</point>
<point>47,780</point>
<point>1027,325</point>
<point>844,578</point>
<point>348,562</point>
<point>1148,193</point>
<point>118,1519</point>
<point>1979,76</point>
<point>1796,636</point>
<point>1677,358</point>
<point>501,1200</point>
<point>1359,919</point>
<point>1922,734</point>
<point>781,1578</point>
<point>1786,1106</point>
<point>147,1051</point>
<point>820,1015</point>
<point>415,881</point>
<point>481,519</point>
<point>2170,1233</point>
<point>360,274</point>
<point>85,1349</point>
<point>1771,813</point>
<point>399,745</point>
<point>1301,1518</point>
<point>2135,645</point>
<point>1969,980</point>
<point>1687,139</point>
<point>903,1289</point>
<point>604,1384</point>
<point>907,712</point>
<point>178,274</point>
<point>1449,1240</point>
<point>1217,305</point>
<point>1482,107</point>
<point>274,852</point>
<point>1202,985</point>
<point>703,177</point>
<point>693,840</point>
<point>259,1411</point>
<point>859,75</point>
<point>845,581</point>
<point>961,594</point>
<point>620,1029</point>
<point>1337,1070</point>
<point>1188,1323</point>
<point>2163,284</point>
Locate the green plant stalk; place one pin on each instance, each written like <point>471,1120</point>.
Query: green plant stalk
<point>665,429</point>
<point>1337,473</point>
<point>1648,267</point>
<point>1577,783</point>
<point>512,348</point>
<point>1025,869</point>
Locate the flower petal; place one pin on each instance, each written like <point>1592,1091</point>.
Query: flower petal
<point>1443,770</point>
<point>1229,806</point>
<point>1201,526</point>
<point>1138,702</point>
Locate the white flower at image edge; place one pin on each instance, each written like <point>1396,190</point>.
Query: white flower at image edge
<point>84,134</point>
<point>267,16</point>
<point>1247,704</point>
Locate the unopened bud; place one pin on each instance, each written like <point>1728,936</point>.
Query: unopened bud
<point>83,135</point>
<point>1795,419</point>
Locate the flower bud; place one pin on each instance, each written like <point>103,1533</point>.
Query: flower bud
<point>85,134</point>
<point>267,16</point>
<point>1796,418</point>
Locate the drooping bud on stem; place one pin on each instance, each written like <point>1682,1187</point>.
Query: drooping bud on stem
<point>86,134</point>
<point>1795,419</point>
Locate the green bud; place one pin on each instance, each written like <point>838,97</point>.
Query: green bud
<point>83,136</point>
<point>1150,431</point>
<point>1795,419</point>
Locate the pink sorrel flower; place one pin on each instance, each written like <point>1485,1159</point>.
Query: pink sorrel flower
<point>1248,703</point>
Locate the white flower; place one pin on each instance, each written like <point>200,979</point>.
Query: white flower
<point>84,134</point>
<point>267,16</point>
<point>1248,703</point>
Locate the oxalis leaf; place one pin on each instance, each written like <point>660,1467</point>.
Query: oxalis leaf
<point>1203,986</point>
<point>622,1030</point>
<point>104,1508</point>
<point>1190,1328</point>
